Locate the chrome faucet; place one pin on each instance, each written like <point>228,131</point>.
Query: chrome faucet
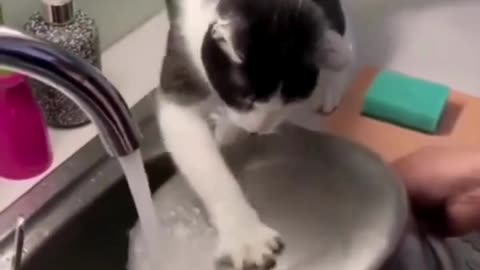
<point>78,80</point>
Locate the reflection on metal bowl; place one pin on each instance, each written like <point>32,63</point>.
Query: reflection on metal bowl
<point>336,205</point>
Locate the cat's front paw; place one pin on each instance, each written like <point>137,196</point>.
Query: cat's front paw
<point>327,98</point>
<point>330,91</point>
<point>330,101</point>
<point>333,77</point>
<point>248,247</point>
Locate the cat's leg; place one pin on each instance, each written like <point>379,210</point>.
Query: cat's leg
<point>333,77</point>
<point>244,241</point>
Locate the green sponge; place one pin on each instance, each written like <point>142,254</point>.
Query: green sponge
<point>407,101</point>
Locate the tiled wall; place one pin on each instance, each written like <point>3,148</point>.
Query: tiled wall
<point>115,18</point>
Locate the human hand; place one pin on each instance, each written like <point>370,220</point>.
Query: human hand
<point>444,185</point>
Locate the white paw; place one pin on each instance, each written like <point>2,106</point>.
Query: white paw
<point>333,77</point>
<point>329,92</point>
<point>330,101</point>
<point>248,247</point>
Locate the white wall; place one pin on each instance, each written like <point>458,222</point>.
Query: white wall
<point>434,39</point>
<point>115,17</point>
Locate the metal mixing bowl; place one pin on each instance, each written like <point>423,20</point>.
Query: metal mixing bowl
<point>335,203</point>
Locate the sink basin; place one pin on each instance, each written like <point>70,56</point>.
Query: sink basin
<point>97,237</point>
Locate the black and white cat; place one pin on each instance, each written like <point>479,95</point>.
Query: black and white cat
<point>247,61</point>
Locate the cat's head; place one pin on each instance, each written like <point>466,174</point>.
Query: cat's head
<point>261,56</point>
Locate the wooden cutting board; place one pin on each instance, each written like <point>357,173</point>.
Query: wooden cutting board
<point>460,125</point>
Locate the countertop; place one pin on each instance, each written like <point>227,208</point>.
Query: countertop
<point>437,40</point>
<point>392,141</point>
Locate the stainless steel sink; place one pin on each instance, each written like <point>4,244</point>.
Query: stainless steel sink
<point>96,237</point>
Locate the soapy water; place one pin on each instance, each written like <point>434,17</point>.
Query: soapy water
<point>138,184</point>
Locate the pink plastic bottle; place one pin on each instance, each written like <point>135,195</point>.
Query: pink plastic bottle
<point>25,149</point>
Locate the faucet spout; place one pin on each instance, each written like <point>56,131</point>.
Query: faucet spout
<point>78,80</point>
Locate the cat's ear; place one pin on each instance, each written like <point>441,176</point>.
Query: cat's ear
<point>222,32</point>
<point>336,52</point>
